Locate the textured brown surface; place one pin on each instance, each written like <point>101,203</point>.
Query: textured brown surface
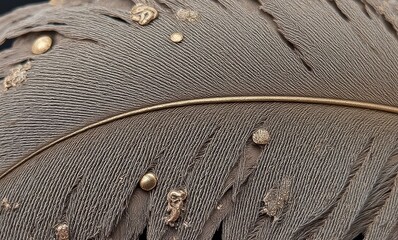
<point>342,161</point>
<point>336,159</point>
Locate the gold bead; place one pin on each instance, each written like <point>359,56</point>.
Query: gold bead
<point>148,181</point>
<point>42,45</point>
<point>176,37</point>
<point>261,136</point>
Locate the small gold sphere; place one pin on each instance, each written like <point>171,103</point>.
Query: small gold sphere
<point>42,45</point>
<point>176,37</point>
<point>261,136</point>
<point>148,181</point>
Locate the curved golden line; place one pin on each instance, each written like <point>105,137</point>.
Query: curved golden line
<point>217,100</point>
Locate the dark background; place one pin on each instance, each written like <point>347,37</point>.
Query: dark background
<point>8,5</point>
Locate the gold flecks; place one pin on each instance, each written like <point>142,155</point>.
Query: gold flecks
<point>261,136</point>
<point>62,232</point>
<point>143,14</point>
<point>175,200</point>
<point>187,15</point>
<point>17,76</point>
<point>7,205</point>
<point>42,45</point>
<point>186,224</point>
<point>148,181</point>
<point>176,37</point>
<point>276,198</point>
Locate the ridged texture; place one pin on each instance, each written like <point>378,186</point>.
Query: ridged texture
<point>341,162</point>
<point>103,64</point>
<point>335,158</point>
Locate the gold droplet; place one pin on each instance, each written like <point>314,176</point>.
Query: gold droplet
<point>62,232</point>
<point>148,181</point>
<point>175,206</point>
<point>261,136</point>
<point>143,14</point>
<point>42,45</point>
<point>176,37</point>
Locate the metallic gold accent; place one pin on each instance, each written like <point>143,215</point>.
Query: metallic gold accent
<point>276,199</point>
<point>143,14</point>
<point>42,45</point>
<point>62,232</point>
<point>5,204</point>
<point>175,205</point>
<point>217,100</point>
<point>176,37</point>
<point>261,136</point>
<point>17,76</point>
<point>148,181</point>
<point>187,15</point>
